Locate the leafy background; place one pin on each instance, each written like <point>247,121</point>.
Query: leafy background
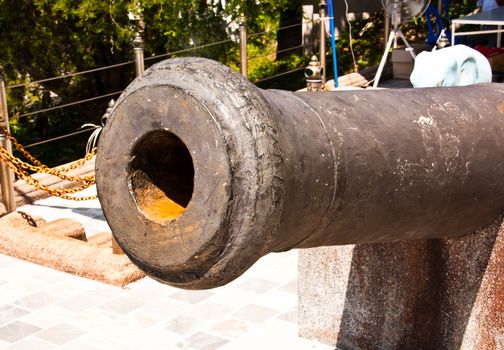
<point>48,38</point>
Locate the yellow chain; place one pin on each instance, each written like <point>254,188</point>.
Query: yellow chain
<point>20,168</point>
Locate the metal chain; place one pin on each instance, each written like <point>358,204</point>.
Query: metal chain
<point>21,169</point>
<point>41,168</point>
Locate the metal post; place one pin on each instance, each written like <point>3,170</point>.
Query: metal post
<point>6,175</point>
<point>243,46</point>
<point>387,29</point>
<point>138,51</point>
<point>322,55</point>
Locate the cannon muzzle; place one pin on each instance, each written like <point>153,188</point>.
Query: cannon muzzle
<point>200,173</point>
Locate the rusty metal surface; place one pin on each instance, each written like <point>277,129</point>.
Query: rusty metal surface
<point>259,171</point>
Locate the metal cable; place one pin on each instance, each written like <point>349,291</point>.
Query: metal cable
<point>278,75</point>
<point>188,49</point>
<point>282,28</point>
<point>276,52</point>
<point>60,137</point>
<point>153,57</point>
<point>69,104</point>
<point>70,75</point>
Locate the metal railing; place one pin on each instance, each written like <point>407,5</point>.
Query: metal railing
<point>139,61</point>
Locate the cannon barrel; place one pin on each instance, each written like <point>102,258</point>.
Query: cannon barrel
<point>200,173</point>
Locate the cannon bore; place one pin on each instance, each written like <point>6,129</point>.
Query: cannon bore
<point>200,173</point>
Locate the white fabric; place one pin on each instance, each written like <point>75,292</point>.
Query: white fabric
<point>457,65</point>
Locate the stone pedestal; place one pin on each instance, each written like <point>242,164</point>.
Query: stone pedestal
<point>434,294</point>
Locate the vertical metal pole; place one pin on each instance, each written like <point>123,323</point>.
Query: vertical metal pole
<point>243,46</point>
<point>322,55</point>
<point>387,29</point>
<point>499,36</point>
<point>138,52</point>
<point>307,30</point>
<point>6,175</point>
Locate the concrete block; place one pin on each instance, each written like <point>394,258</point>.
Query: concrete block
<point>432,294</point>
<point>402,64</point>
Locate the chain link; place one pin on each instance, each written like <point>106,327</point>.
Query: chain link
<point>21,168</point>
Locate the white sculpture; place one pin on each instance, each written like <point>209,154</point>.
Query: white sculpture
<point>457,65</point>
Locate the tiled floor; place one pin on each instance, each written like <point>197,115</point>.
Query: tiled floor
<point>42,308</point>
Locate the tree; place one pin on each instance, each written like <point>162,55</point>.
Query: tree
<point>49,38</point>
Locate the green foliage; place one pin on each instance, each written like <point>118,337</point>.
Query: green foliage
<point>49,38</point>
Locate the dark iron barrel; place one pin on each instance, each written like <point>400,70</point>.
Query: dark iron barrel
<point>255,171</point>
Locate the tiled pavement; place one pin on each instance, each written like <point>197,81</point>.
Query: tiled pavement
<point>43,309</point>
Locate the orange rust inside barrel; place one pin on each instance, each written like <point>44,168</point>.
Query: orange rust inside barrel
<point>153,202</point>
<point>163,209</point>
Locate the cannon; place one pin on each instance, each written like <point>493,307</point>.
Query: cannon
<point>200,173</point>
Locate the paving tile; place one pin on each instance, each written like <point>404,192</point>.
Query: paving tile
<point>147,314</point>
<point>184,324</point>
<point>202,341</point>
<point>105,337</point>
<point>123,347</point>
<point>51,276</point>
<point>31,343</point>
<point>9,313</point>
<point>70,285</point>
<point>122,305</point>
<point>60,334</point>
<point>20,289</point>
<point>166,308</point>
<point>7,261</point>
<point>89,212</point>
<point>148,292</point>
<point>37,301</point>
<point>48,316</point>
<point>255,313</point>
<point>192,296</point>
<point>210,310</point>
<point>282,272</point>
<point>258,285</point>
<point>233,297</point>
<point>90,318</point>
<point>105,291</point>
<point>289,316</point>
<point>93,226</point>
<point>229,328</point>
<point>136,321</point>
<point>290,287</point>
<point>77,345</point>
<point>277,299</point>
<point>16,330</point>
<point>274,335</point>
<point>155,339</point>
<point>47,209</point>
<point>80,302</point>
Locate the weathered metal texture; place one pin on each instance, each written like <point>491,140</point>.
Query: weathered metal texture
<point>261,171</point>
<point>425,294</point>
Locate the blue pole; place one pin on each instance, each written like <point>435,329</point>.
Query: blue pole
<point>333,41</point>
